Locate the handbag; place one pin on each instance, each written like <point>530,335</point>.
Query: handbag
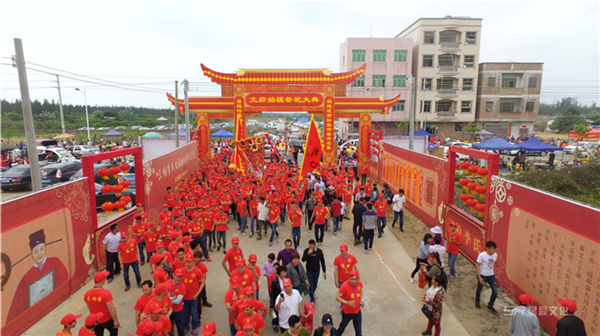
<point>302,287</point>
<point>428,313</point>
<point>422,279</point>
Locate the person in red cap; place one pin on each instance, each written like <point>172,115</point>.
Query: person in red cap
<point>129,256</point>
<point>68,322</point>
<point>252,259</point>
<point>160,253</point>
<point>166,214</point>
<point>232,296</point>
<point>232,255</point>
<point>194,282</point>
<point>170,198</point>
<point>522,320</point>
<point>210,329</point>
<point>273,218</point>
<point>221,219</point>
<point>454,242</point>
<point>150,239</point>
<point>247,328</point>
<point>160,299</point>
<point>175,242</point>
<point>100,300</point>
<point>320,216</point>
<point>156,324</point>
<point>350,296</point>
<point>91,321</point>
<point>246,277</point>
<point>344,264</point>
<point>248,312</point>
<point>307,321</point>
<point>143,300</point>
<point>363,174</point>
<point>160,275</point>
<point>381,206</point>
<point>289,303</point>
<point>570,325</point>
<point>176,290</point>
<point>137,232</point>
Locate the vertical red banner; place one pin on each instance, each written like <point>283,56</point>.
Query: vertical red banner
<point>203,136</point>
<point>240,119</point>
<point>328,131</point>
<point>364,146</point>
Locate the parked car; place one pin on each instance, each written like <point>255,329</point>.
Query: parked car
<point>571,149</point>
<point>55,154</point>
<point>97,179</point>
<point>79,150</point>
<point>59,172</point>
<point>17,178</point>
<point>459,144</point>
<point>102,198</point>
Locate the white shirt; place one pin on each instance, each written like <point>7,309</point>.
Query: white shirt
<point>263,211</point>
<point>400,202</point>
<point>289,307</point>
<point>441,250</point>
<point>343,212</point>
<point>112,241</point>
<point>486,263</point>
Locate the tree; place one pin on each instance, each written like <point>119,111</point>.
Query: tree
<point>581,131</point>
<point>403,126</point>
<point>594,117</point>
<point>473,131</point>
<point>127,115</point>
<point>566,121</point>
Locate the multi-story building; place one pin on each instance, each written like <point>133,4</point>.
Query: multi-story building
<point>445,56</point>
<point>389,63</point>
<point>508,97</point>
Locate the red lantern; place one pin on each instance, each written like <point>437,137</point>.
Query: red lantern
<point>472,186</point>
<point>120,205</point>
<point>124,167</point>
<point>114,171</point>
<point>464,198</point>
<point>472,203</point>
<point>117,188</point>
<point>125,184</point>
<point>481,190</point>
<point>108,206</point>
<point>103,172</point>
<point>125,199</point>
<point>465,165</point>
<point>464,181</point>
<point>480,207</point>
<point>106,189</point>
<point>483,172</point>
<point>473,170</point>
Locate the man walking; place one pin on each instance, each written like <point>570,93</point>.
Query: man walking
<point>100,300</point>
<point>570,324</point>
<point>522,321</point>
<point>263,213</point>
<point>369,218</point>
<point>295,216</point>
<point>357,212</point>
<point>381,211</point>
<point>485,273</point>
<point>313,256</point>
<point>283,257</point>
<point>398,206</point>
<point>344,264</point>
<point>350,296</point>
<point>454,242</point>
<point>111,243</point>
<point>309,209</point>
<point>320,216</point>
<point>129,256</point>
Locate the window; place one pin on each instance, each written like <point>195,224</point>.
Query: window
<point>448,37</point>
<point>426,106</point>
<point>360,81</point>
<point>378,80</point>
<point>468,84</point>
<point>445,83</point>
<point>458,127</point>
<point>400,55</point>
<point>532,82</point>
<point>399,107</point>
<point>529,106</point>
<point>469,61</point>
<point>509,82</point>
<point>446,60</point>
<point>471,38</point>
<point>379,55</point>
<point>465,107</point>
<point>491,81</point>
<point>507,107</point>
<point>399,81</point>
<point>426,84</point>
<point>489,106</point>
<point>427,61</point>
<point>429,37</point>
<point>358,55</point>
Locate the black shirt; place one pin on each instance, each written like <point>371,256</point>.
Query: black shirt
<point>312,260</point>
<point>357,212</point>
<point>570,326</point>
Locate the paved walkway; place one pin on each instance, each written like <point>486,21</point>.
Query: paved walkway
<point>392,303</point>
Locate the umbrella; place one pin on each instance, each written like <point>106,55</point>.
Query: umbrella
<point>534,144</point>
<point>222,133</point>
<point>162,119</point>
<point>495,144</point>
<point>5,146</point>
<point>111,133</point>
<point>64,136</point>
<point>181,133</point>
<point>152,134</point>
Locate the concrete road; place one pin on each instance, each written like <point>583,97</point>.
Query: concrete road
<point>392,303</point>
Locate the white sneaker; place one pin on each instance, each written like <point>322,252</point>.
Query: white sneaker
<point>366,251</point>
<point>411,280</point>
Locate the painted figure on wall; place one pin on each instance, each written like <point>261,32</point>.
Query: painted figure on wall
<point>45,276</point>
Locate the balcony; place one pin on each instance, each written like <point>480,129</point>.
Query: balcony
<point>446,92</point>
<point>448,70</point>
<point>445,114</point>
<point>449,46</point>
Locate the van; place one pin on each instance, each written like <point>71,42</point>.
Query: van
<point>46,142</point>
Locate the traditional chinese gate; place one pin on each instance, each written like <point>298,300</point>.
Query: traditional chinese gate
<point>317,91</point>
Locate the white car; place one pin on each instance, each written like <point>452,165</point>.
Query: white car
<point>581,147</point>
<point>459,144</point>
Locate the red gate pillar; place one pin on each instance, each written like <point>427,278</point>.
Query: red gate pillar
<point>364,144</point>
<point>203,135</point>
<point>240,119</point>
<point>328,132</point>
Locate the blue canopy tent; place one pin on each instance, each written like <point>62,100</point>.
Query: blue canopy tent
<point>222,133</point>
<point>422,132</point>
<point>181,133</point>
<point>495,144</point>
<point>111,133</point>
<point>534,144</point>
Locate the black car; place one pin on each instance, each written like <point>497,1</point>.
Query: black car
<point>18,177</point>
<point>102,198</point>
<point>59,172</point>
<point>97,179</point>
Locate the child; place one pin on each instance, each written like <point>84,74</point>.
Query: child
<point>307,322</point>
<point>268,268</point>
<point>273,275</point>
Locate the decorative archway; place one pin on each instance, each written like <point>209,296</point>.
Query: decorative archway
<point>249,92</point>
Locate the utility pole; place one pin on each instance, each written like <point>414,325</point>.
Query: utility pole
<point>411,126</point>
<point>177,115</point>
<point>87,116</point>
<point>186,88</point>
<point>34,164</point>
<point>62,116</point>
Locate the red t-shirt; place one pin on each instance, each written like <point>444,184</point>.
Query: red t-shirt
<point>368,189</point>
<point>241,333</point>
<point>139,229</point>
<point>232,256</point>
<point>350,293</point>
<point>221,218</point>
<point>229,299</point>
<point>165,215</point>
<point>452,246</point>
<point>253,208</point>
<point>347,196</point>
<point>191,279</point>
<point>83,332</point>
<point>202,268</point>
<point>141,303</point>
<point>171,199</point>
<point>381,206</point>
<point>206,220</point>
<point>162,319</point>
<point>295,217</point>
<point>128,251</point>
<point>174,291</point>
<point>151,239</point>
<point>165,304</point>
<point>336,208</point>
<point>345,266</point>
<point>270,279</point>
<point>320,214</point>
<point>96,300</point>
<point>245,279</point>
<point>225,199</point>
<point>242,208</point>
<point>257,269</point>
<point>165,234</point>
<point>160,275</point>
<point>259,322</point>
<point>165,254</point>
<point>274,213</point>
<point>177,264</point>
<point>195,226</point>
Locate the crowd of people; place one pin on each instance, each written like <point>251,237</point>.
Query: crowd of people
<point>205,206</point>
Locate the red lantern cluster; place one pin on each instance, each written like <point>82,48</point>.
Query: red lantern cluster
<point>483,173</point>
<point>465,165</point>
<point>480,207</point>
<point>117,188</point>
<point>108,206</point>
<point>114,171</point>
<point>125,199</point>
<point>464,181</point>
<point>120,205</point>
<point>124,167</point>
<point>106,189</point>
<point>473,170</point>
<point>103,172</point>
<point>472,203</point>
<point>464,198</point>
<point>481,190</point>
<point>125,184</point>
<point>472,186</point>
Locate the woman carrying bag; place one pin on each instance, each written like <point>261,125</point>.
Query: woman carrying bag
<point>423,254</point>
<point>432,269</point>
<point>432,307</point>
<point>296,273</point>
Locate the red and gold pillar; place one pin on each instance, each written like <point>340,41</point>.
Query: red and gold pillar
<point>364,143</point>
<point>203,136</point>
<point>328,132</point>
<point>240,119</point>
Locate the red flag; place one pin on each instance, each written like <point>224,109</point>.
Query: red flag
<point>313,150</point>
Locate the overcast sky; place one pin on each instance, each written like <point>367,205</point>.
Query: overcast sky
<point>147,46</point>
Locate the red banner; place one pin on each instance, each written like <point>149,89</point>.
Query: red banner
<point>252,155</point>
<point>284,99</point>
<point>328,130</point>
<point>313,151</point>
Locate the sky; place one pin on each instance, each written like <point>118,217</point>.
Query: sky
<point>132,53</point>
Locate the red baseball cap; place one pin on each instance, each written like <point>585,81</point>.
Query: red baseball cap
<point>209,329</point>
<point>91,319</point>
<point>309,307</point>
<point>240,262</point>
<point>153,225</point>
<point>151,327</point>
<point>124,234</point>
<point>174,235</point>
<point>159,244</point>
<point>178,272</point>
<point>165,205</point>
<point>381,195</point>
<point>189,257</point>
<point>568,303</point>
<point>287,282</point>
<point>69,318</point>
<point>343,247</point>
<point>353,273</point>
<point>526,299</point>
<point>248,323</point>
<point>186,239</point>
<point>100,276</point>
<point>249,290</point>
<point>159,289</point>
<point>235,240</point>
<point>252,258</point>
<point>453,224</point>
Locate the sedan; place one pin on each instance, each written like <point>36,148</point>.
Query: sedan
<point>59,172</point>
<point>18,177</point>
<point>80,150</point>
